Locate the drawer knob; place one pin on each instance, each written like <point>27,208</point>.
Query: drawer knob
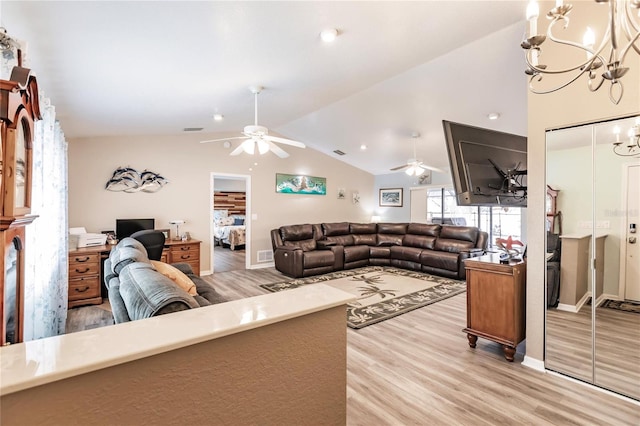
<point>81,260</point>
<point>82,271</point>
<point>81,290</point>
<point>185,256</point>
<point>184,248</point>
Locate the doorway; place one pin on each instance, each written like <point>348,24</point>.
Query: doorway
<point>230,224</point>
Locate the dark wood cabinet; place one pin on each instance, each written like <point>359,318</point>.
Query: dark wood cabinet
<point>496,302</point>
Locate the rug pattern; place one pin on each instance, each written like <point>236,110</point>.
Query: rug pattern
<point>622,305</point>
<point>371,281</point>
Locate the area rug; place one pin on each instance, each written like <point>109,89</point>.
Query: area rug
<point>382,292</point>
<point>622,305</point>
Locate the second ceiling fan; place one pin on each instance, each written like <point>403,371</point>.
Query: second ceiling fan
<point>415,166</point>
<point>256,136</point>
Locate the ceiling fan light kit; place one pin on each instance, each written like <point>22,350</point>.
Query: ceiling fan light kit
<point>258,136</point>
<point>414,166</point>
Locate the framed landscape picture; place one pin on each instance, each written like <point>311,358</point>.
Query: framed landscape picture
<point>300,184</point>
<point>391,197</point>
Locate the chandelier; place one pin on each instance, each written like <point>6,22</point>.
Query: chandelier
<point>622,36</point>
<point>632,146</point>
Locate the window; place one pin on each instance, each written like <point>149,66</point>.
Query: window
<point>498,222</point>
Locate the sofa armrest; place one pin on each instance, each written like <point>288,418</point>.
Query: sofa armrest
<point>467,254</point>
<point>289,261</point>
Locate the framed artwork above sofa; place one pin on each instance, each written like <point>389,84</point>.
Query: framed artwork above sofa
<point>390,197</point>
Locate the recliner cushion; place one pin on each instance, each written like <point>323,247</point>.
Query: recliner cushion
<point>440,260</point>
<point>411,254</point>
<point>341,240</point>
<point>392,228</point>
<point>428,229</point>
<point>464,233</point>
<point>315,259</point>
<point>453,246</point>
<point>386,240</point>
<point>296,232</point>
<point>330,229</point>
<point>363,228</point>
<point>365,239</point>
<point>355,253</point>
<point>422,241</point>
<point>305,245</point>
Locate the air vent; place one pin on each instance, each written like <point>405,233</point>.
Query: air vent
<point>192,129</point>
<point>337,151</point>
<point>265,256</point>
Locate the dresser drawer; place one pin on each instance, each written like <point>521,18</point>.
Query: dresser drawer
<point>83,269</point>
<point>84,288</point>
<point>84,258</point>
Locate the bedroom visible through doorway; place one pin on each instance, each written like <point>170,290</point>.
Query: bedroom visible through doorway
<point>230,216</point>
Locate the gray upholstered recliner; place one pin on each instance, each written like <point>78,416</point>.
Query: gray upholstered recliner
<point>138,291</point>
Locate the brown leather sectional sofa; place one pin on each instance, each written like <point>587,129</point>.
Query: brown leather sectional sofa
<point>304,250</point>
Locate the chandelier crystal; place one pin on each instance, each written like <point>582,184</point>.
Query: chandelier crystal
<point>604,62</point>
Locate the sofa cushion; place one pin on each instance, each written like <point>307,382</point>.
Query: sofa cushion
<point>305,245</point>
<point>392,228</point>
<point>296,232</point>
<point>363,228</point>
<point>379,252</point>
<point>365,239</point>
<point>386,240</point>
<point>341,240</point>
<point>422,241</point>
<point>464,233</point>
<point>354,253</point>
<point>411,254</point>
<point>341,228</point>
<point>428,229</point>
<point>175,275</point>
<point>440,260</point>
<point>453,246</point>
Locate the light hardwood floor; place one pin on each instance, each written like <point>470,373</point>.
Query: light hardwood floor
<point>417,369</point>
<point>225,259</point>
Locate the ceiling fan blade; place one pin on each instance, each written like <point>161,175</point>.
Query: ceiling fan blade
<point>284,141</point>
<point>225,139</point>
<point>433,169</point>
<point>277,150</point>
<point>404,166</point>
<point>239,149</point>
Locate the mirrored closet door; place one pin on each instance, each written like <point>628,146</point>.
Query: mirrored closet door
<point>593,260</point>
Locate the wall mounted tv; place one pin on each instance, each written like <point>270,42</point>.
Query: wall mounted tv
<point>126,227</point>
<point>489,168</point>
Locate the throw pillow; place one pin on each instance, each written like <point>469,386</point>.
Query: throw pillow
<point>175,275</point>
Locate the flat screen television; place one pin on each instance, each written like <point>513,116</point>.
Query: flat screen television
<point>488,168</point>
<point>126,227</point>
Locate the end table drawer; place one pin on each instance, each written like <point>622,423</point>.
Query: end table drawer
<point>84,258</point>
<point>84,288</point>
<point>82,269</point>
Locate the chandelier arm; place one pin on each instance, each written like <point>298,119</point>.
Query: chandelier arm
<point>544,92</point>
<point>594,89</point>
<point>612,23</point>
<point>628,25</point>
<point>615,100</point>
<point>589,61</point>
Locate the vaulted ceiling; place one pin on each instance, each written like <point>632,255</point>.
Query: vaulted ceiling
<point>122,68</point>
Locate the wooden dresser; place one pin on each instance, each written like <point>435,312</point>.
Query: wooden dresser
<point>86,272</point>
<point>85,276</point>
<point>496,302</point>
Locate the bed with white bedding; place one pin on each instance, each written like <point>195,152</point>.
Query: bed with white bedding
<point>229,229</point>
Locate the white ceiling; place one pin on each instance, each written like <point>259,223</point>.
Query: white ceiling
<point>125,68</point>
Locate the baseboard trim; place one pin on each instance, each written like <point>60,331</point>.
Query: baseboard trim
<point>533,363</point>
<point>203,273</point>
<point>574,308</point>
<point>262,265</point>
<point>566,308</point>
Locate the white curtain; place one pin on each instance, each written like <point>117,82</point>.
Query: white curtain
<point>46,280</point>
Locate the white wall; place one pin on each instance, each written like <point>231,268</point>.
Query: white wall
<point>188,165</point>
<point>227,184</point>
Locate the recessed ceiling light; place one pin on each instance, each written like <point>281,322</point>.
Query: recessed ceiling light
<point>329,35</point>
<point>493,115</point>
<point>363,147</point>
<point>218,117</point>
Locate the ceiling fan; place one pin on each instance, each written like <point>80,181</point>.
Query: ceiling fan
<point>256,136</point>
<point>415,166</point>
